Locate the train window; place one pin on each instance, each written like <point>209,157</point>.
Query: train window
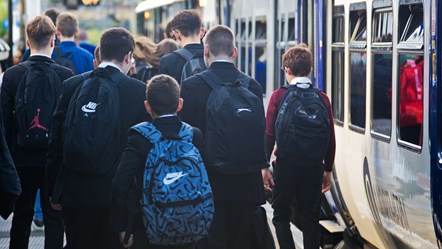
<point>260,53</point>
<point>338,24</point>
<point>383,26</point>
<point>338,84</point>
<point>411,21</point>
<point>338,59</point>
<point>291,30</point>
<point>411,97</point>
<point>358,22</point>
<point>381,97</point>
<point>382,68</point>
<point>358,72</point>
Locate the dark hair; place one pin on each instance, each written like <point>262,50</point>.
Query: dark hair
<point>220,40</point>
<point>67,24</point>
<point>40,31</point>
<point>166,46</point>
<point>163,94</point>
<point>298,59</point>
<point>188,22</point>
<point>53,14</point>
<point>115,43</point>
<point>168,31</point>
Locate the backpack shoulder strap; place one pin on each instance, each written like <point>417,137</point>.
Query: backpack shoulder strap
<point>184,53</point>
<point>149,131</point>
<point>244,79</point>
<point>186,132</point>
<point>210,78</point>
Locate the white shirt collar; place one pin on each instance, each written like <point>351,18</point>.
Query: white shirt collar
<point>167,115</point>
<point>302,82</point>
<point>107,63</point>
<point>45,55</point>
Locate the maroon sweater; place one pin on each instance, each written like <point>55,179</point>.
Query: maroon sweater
<point>272,113</point>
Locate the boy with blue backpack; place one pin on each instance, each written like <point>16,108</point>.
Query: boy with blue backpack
<point>161,179</point>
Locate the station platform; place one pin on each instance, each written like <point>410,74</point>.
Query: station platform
<point>37,235</point>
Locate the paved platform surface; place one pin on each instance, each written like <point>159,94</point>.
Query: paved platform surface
<point>37,235</point>
<point>36,241</point>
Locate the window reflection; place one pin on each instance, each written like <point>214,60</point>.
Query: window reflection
<point>411,98</point>
<point>358,71</point>
<point>338,84</point>
<point>381,102</point>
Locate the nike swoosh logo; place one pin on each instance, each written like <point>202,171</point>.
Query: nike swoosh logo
<point>85,109</point>
<point>170,180</point>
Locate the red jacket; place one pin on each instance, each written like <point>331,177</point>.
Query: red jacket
<point>272,113</point>
<point>411,93</point>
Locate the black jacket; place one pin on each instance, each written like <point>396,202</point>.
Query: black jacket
<point>172,64</point>
<point>195,92</point>
<point>11,80</point>
<point>75,190</point>
<point>125,192</point>
<point>9,181</point>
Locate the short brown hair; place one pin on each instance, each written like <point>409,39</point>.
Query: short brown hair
<point>53,14</point>
<point>163,94</point>
<point>188,22</point>
<point>115,43</point>
<point>67,24</point>
<point>40,31</point>
<point>220,40</point>
<point>298,59</point>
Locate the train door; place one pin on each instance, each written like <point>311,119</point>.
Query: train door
<point>252,32</point>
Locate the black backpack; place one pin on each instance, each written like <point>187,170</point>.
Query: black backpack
<point>235,126</point>
<point>194,63</point>
<point>92,126</point>
<point>35,101</point>
<point>302,126</point>
<point>64,59</point>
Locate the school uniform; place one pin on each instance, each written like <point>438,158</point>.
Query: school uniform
<point>126,192</point>
<point>300,182</point>
<point>86,199</point>
<point>236,196</point>
<point>172,64</point>
<point>30,164</point>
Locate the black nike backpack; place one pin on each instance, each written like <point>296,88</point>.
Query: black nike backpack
<point>92,127</point>
<point>302,126</point>
<point>235,126</point>
<point>194,63</point>
<point>35,101</point>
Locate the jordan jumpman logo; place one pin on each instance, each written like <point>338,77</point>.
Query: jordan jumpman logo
<point>36,122</point>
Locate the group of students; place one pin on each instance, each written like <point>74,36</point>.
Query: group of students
<point>101,141</point>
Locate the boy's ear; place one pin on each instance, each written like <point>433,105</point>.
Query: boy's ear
<point>180,105</point>
<point>147,106</point>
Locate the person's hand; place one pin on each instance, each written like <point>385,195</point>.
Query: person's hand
<point>55,206</point>
<point>267,178</point>
<point>326,181</point>
<point>129,242</point>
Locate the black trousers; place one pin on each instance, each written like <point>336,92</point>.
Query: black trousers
<point>90,228</point>
<point>303,186</point>
<point>31,179</point>
<point>231,227</point>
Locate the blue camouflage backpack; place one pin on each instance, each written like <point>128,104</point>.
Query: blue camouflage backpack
<point>176,201</point>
